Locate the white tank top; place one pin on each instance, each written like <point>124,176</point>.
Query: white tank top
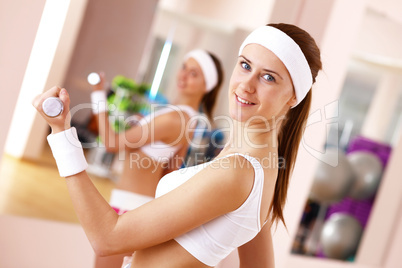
<point>213,241</point>
<point>158,150</point>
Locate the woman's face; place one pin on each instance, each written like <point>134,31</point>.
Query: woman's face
<point>190,79</point>
<point>260,86</point>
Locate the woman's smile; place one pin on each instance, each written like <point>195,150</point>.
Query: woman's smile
<point>243,102</point>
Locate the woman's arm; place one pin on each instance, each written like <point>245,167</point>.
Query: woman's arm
<point>114,141</point>
<point>179,211</point>
<point>163,127</point>
<point>177,161</point>
<point>259,252</point>
<point>169,127</point>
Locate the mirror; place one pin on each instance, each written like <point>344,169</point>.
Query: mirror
<point>110,45</point>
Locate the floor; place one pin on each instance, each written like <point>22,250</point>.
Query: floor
<point>34,189</point>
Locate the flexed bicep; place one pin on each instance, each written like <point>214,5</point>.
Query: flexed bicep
<point>167,126</point>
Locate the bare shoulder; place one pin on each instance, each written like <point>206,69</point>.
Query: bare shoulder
<point>169,126</point>
<point>172,119</point>
<point>234,172</point>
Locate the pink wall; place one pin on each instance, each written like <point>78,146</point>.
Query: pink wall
<point>112,39</point>
<point>37,243</point>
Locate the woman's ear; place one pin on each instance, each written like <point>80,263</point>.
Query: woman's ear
<point>293,101</point>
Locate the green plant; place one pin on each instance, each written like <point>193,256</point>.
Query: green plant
<point>128,98</point>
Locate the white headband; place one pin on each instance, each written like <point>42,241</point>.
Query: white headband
<point>207,65</point>
<point>286,49</point>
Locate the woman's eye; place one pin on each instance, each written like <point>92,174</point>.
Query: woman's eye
<point>269,78</point>
<point>245,65</point>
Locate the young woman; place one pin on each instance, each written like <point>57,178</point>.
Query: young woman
<point>202,213</point>
<point>159,141</point>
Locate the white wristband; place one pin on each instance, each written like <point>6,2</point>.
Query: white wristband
<point>99,101</point>
<point>68,153</point>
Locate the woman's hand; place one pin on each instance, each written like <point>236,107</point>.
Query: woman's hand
<point>101,84</point>
<point>62,121</point>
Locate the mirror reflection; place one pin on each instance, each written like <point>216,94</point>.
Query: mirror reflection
<point>349,175</point>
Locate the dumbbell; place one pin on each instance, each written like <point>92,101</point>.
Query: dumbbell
<point>52,106</point>
<point>93,79</point>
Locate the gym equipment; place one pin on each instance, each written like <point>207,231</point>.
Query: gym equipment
<point>333,178</point>
<point>368,170</point>
<point>340,236</point>
<point>93,79</point>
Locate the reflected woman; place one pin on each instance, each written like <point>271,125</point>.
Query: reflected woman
<point>151,145</point>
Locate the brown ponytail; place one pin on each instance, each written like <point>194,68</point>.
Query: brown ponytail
<point>209,99</point>
<point>292,128</point>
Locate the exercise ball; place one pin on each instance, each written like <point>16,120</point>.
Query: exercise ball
<point>333,178</point>
<point>340,236</point>
<point>368,169</point>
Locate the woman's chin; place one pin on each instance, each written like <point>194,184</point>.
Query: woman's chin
<point>237,116</point>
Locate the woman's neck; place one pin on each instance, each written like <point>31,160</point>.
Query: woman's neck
<point>193,102</point>
<point>256,139</point>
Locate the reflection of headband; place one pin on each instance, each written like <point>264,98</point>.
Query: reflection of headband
<point>286,49</point>
<point>207,65</point>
